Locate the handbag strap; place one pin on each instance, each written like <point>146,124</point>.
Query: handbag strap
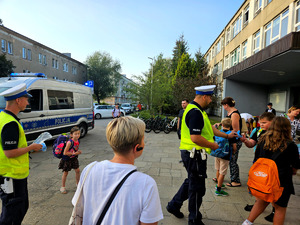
<point>113,196</point>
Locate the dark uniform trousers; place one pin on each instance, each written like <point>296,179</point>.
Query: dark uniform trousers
<point>193,187</point>
<point>15,205</point>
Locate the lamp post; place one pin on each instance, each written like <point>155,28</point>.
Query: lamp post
<point>151,83</point>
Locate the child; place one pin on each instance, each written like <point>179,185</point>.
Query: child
<point>69,160</point>
<point>265,121</point>
<point>221,164</point>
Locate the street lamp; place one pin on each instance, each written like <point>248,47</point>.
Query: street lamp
<point>151,83</point>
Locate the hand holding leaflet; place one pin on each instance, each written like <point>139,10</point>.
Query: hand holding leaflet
<point>42,138</point>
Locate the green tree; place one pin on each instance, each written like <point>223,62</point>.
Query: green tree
<point>186,67</point>
<point>105,72</point>
<point>181,47</point>
<point>6,66</point>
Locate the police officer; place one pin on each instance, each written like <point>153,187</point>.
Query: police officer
<point>196,139</point>
<point>14,159</point>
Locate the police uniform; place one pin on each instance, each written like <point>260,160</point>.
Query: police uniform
<point>194,122</point>
<point>14,205</point>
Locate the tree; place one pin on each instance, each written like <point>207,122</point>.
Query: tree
<point>186,67</point>
<point>6,66</point>
<point>181,47</point>
<point>105,72</point>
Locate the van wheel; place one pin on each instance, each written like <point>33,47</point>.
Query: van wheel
<point>83,129</point>
<point>98,116</point>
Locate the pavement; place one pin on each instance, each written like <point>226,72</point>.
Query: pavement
<point>160,160</point>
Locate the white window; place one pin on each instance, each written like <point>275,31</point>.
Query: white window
<point>235,56</point>
<point>74,70</point>
<point>207,57</point>
<point>237,26</point>
<point>66,67</point>
<point>10,48</point>
<point>220,64</point>
<point>246,15</point>
<point>226,61</point>
<point>244,50</point>
<point>40,58</point>
<point>257,5</point>
<point>256,42</point>
<point>29,54</point>
<point>276,29</point>
<point>297,22</point>
<point>24,53</point>
<point>57,64</point>
<point>228,36</point>
<point>268,1</point>
<point>3,45</point>
<point>44,60</point>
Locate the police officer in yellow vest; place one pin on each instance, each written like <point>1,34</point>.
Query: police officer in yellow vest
<point>197,139</point>
<point>14,159</point>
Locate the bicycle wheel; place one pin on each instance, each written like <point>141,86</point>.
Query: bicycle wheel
<point>156,127</point>
<point>148,126</point>
<point>167,128</point>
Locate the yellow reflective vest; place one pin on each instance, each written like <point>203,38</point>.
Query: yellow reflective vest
<point>18,167</point>
<point>207,131</point>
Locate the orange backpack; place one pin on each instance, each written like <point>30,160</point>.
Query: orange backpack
<point>263,181</point>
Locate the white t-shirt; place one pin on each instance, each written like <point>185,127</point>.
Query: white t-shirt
<point>116,112</point>
<point>137,200</point>
<point>246,116</point>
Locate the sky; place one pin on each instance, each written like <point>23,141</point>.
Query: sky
<point>129,30</point>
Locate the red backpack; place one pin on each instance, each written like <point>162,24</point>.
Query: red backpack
<point>263,181</point>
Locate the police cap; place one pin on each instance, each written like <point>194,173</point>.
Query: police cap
<point>205,90</point>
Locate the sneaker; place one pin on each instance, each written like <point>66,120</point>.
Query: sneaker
<point>223,186</point>
<point>248,208</point>
<point>270,217</point>
<point>221,193</point>
<point>175,212</point>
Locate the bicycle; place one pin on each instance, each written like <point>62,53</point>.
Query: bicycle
<point>171,125</point>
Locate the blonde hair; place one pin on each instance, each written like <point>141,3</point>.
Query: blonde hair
<point>278,135</point>
<point>124,133</point>
<point>293,108</point>
<point>226,122</point>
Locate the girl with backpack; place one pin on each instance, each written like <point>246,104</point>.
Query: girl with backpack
<point>69,159</point>
<point>277,144</point>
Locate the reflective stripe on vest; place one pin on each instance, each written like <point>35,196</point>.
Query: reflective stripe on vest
<point>18,167</point>
<point>207,131</point>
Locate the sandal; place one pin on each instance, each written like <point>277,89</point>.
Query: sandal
<point>231,185</point>
<point>215,180</point>
<point>63,190</point>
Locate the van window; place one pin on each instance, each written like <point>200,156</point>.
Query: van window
<point>36,102</point>
<point>60,100</point>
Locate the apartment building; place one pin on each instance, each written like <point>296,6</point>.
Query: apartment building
<point>121,95</point>
<point>28,56</point>
<point>257,56</point>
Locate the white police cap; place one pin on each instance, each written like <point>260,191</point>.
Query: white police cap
<point>15,92</point>
<point>205,90</point>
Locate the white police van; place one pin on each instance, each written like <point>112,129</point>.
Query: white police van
<point>56,106</point>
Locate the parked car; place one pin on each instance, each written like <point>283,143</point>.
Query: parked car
<point>127,107</point>
<point>105,111</point>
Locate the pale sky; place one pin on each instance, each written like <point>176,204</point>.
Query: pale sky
<point>129,30</point>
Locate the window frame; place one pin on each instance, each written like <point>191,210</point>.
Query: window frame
<point>10,48</point>
<point>24,55</point>
<point>3,45</point>
<point>255,48</point>
<point>297,9</point>
<point>29,54</point>
<point>244,50</point>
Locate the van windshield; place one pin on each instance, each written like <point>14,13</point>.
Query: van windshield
<point>125,105</point>
<point>2,100</point>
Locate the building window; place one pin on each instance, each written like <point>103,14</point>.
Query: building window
<point>10,48</point>
<point>235,56</point>
<point>44,60</point>
<point>237,26</point>
<point>276,29</point>
<point>257,6</point>
<point>244,50</point>
<point>256,42</point>
<point>74,70</point>
<point>29,54</point>
<point>40,58</point>
<point>53,63</point>
<point>207,57</point>
<point>268,1</point>
<point>24,53</point>
<point>226,61</point>
<point>3,45</point>
<point>227,35</point>
<point>218,47</point>
<point>66,67</point>
<point>57,64</point>
<point>246,16</point>
<point>297,22</point>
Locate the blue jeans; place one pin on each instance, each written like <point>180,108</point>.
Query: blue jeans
<point>15,205</point>
<point>193,187</point>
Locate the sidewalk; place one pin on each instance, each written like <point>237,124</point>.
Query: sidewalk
<point>160,160</point>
